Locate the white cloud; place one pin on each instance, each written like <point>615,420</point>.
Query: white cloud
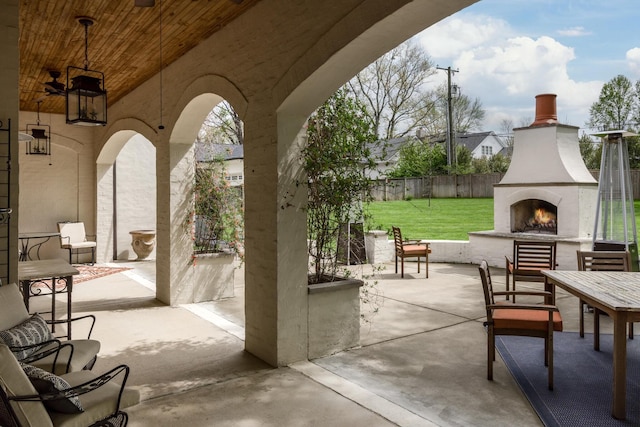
<point>574,32</point>
<point>633,61</point>
<point>451,36</point>
<point>506,70</point>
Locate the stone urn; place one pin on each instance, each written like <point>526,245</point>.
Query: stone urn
<point>143,242</point>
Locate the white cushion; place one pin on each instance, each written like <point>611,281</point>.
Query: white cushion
<point>13,310</point>
<point>14,381</point>
<point>97,404</point>
<point>84,351</point>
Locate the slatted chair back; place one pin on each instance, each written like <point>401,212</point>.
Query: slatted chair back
<point>534,256</point>
<point>529,258</point>
<point>601,261</point>
<point>397,240</point>
<point>487,285</point>
<point>604,261</point>
<point>410,249</point>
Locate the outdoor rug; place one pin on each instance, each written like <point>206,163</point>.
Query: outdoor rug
<point>89,272</point>
<point>583,378</point>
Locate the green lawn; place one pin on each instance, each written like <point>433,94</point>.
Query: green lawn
<point>438,219</point>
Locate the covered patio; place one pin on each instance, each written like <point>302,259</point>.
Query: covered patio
<point>274,61</point>
<point>422,360</point>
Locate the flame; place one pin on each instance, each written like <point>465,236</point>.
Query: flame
<point>543,217</point>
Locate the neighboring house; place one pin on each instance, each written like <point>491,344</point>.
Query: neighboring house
<point>387,154</point>
<point>233,156</point>
<point>482,144</point>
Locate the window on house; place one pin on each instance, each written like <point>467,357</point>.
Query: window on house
<point>487,150</point>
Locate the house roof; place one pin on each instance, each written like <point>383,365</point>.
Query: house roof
<point>386,150</point>
<point>209,152</point>
<point>472,140</point>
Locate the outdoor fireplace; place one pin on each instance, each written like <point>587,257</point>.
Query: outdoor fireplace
<point>534,216</point>
<point>546,194</point>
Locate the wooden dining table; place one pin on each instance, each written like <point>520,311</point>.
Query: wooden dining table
<point>617,294</point>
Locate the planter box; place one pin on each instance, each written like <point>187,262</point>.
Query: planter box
<point>213,277</point>
<point>334,317</point>
<point>378,248</point>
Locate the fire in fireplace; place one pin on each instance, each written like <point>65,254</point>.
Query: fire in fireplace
<point>534,216</point>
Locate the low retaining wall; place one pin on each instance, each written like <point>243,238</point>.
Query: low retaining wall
<point>381,250</point>
<point>482,245</point>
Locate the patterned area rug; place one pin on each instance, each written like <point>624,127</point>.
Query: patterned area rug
<point>89,272</point>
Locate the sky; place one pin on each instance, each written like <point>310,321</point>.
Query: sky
<point>509,51</point>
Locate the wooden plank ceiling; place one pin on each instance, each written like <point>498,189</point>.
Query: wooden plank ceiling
<point>124,41</point>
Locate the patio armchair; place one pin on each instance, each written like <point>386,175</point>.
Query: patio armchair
<point>31,340</point>
<point>601,261</point>
<point>410,249</point>
<point>31,397</point>
<point>506,318</point>
<point>74,238</point>
<point>529,258</point>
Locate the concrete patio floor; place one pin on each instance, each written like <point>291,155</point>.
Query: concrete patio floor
<point>422,359</point>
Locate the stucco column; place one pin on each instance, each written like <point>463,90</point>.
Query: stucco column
<point>276,260</point>
<point>174,170</point>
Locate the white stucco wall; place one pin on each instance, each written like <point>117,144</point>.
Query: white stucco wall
<point>135,193</point>
<point>56,188</point>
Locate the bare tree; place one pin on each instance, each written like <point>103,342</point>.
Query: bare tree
<point>222,126</point>
<point>393,90</point>
<point>467,114</point>
<point>506,132</point>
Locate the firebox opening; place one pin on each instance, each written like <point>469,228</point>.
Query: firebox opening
<point>534,216</point>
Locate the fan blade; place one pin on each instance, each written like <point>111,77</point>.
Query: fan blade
<point>53,90</point>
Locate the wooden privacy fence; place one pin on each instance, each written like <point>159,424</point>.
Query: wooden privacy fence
<point>463,186</point>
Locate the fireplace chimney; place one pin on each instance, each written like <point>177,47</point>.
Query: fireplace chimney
<point>545,110</point>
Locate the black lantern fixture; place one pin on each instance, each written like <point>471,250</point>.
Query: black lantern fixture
<point>86,96</point>
<point>40,142</point>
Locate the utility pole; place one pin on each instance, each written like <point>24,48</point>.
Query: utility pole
<point>451,140</point>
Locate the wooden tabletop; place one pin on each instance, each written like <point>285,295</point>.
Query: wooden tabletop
<point>47,268</point>
<point>617,290</point>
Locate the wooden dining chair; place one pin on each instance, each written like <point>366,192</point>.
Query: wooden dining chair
<point>601,261</point>
<point>506,318</point>
<point>410,249</point>
<point>529,258</point>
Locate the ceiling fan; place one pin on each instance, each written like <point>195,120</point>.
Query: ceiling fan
<point>53,87</point>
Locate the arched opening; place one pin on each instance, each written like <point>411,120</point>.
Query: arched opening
<point>126,193</point>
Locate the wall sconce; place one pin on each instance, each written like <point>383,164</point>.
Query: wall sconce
<point>85,95</point>
<point>40,141</point>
